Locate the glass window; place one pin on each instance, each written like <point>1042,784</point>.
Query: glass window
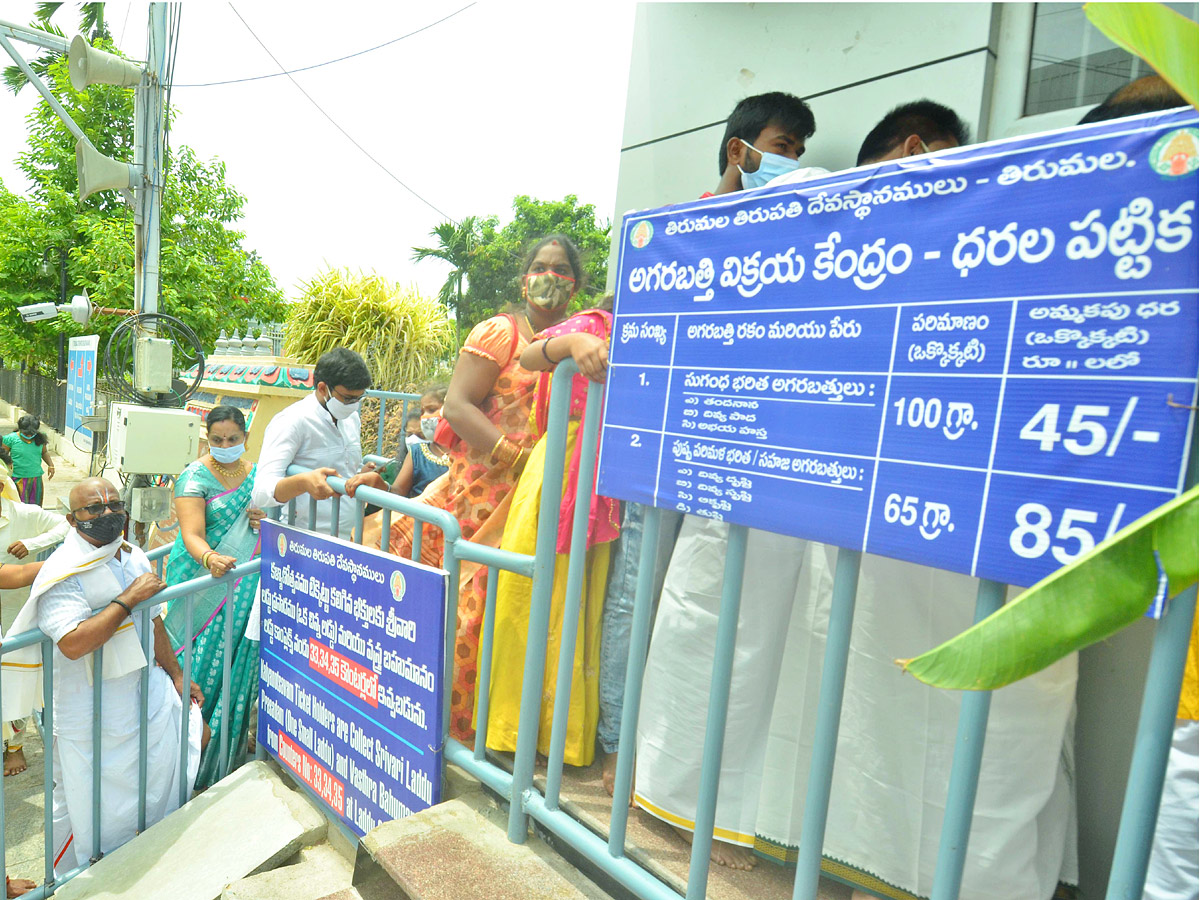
<point>1073,64</point>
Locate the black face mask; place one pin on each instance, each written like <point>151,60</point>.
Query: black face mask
<point>105,529</point>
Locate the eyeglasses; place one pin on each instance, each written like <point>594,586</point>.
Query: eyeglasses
<point>96,509</point>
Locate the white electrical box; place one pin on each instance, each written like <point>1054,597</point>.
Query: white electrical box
<point>146,440</point>
<point>150,504</point>
<point>152,365</point>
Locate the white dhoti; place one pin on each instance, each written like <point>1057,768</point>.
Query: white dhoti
<point>675,692</point>
<point>896,746</point>
<point>76,581</point>
<point>119,745</point>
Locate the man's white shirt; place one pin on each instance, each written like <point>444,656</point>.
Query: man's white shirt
<point>305,435</point>
<point>33,526</point>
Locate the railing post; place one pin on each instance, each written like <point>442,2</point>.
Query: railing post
<point>635,672</point>
<point>964,771</point>
<point>144,712</point>
<point>539,606</point>
<point>189,611</point>
<point>573,600</point>
<point>483,679</point>
<point>226,677</point>
<point>382,421</point>
<point>97,763</point>
<point>1151,747</point>
<point>718,708</point>
<point>829,714</point>
<point>48,756</point>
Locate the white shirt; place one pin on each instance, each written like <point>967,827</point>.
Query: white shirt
<point>60,610</point>
<point>305,435</point>
<point>33,526</point>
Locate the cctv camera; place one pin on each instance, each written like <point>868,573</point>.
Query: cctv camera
<point>37,312</point>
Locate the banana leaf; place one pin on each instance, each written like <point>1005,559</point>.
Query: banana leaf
<point>1156,33</point>
<point>1095,596</point>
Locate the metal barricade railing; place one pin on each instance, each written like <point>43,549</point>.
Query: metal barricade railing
<point>609,855</point>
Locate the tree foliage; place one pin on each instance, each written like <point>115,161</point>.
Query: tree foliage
<point>488,256</point>
<point>207,278</point>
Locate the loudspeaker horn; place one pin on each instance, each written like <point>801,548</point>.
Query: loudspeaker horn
<point>98,172</point>
<point>91,66</point>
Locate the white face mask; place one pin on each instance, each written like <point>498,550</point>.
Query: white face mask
<point>771,166</point>
<point>228,455</point>
<point>340,410</point>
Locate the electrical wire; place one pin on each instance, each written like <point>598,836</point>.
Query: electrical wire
<point>330,62</point>
<point>333,122</point>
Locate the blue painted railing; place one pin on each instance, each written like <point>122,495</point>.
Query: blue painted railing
<point>1143,793</point>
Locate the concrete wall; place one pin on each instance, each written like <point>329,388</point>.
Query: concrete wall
<point>853,62</point>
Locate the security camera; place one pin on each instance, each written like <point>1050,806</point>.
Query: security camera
<point>37,312</point>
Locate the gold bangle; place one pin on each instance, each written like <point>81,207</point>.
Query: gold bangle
<point>204,558</point>
<point>506,452</point>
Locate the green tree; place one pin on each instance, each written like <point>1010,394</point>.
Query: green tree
<point>457,244</point>
<point>91,22</point>
<point>493,268</point>
<point>208,279</point>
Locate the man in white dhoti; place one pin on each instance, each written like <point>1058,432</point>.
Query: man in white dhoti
<point>84,599</point>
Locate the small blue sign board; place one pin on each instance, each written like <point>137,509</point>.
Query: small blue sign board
<point>980,361</point>
<point>350,673</point>
<point>81,383</point>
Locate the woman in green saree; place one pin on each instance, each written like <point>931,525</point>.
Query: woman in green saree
<point>218,529</point>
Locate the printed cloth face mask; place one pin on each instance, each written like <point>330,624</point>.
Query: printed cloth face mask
<point>228,455</point>
<point>429,425</point>
<point>549,290</point>
<point>772,166</point>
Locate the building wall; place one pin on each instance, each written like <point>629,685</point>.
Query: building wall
<point>853,62</point>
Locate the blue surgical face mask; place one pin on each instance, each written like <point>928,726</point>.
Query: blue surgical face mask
<point>772,166</point>
<point>227,455</point>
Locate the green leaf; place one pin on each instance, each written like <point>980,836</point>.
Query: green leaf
<point>1095,596</point>
<point>1162,37</point>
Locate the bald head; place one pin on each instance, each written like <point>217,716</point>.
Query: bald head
<point>92,490</point>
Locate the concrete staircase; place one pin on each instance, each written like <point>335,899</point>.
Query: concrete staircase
<point>253,836</point>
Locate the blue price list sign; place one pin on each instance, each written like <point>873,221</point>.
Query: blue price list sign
<point>351,662</point>
<point>980,361</point>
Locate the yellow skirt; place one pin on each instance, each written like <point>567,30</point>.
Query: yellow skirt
<point>513,594</point>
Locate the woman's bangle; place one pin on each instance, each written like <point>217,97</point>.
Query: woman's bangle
<point>506,452</point>
<point>125,606</point>
<point>204,559</point>
<point>546,353</point>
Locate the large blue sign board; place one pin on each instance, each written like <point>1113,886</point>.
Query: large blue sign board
<point>980,360</point>
<point>81,383</point>
<point>350,673</point>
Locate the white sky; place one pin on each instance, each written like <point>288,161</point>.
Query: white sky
<point>507,97</point>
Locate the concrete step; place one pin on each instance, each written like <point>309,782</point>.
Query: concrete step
<point>452,852</point>
<point>251,821</point>
<point>318,872</point>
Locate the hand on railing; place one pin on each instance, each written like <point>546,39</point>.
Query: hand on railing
<point>367,478</point>
<point>218,565</point>
<point>316,485</point>
<point>143,588</point>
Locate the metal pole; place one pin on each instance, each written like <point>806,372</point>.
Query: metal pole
<point>189,611</point>
<point>150,97</point>
<point>1151,746</point>
<point>483,676</point>
<point>639,639</point>
<point>226,677</point>
<point>97,763</point>
<point>539,605</point>
<point>718,708</point>
<point>573,600</point>
<point>144,714</point>
<point>964,772</point>
<point>829,713</point>
<point>48,756</point>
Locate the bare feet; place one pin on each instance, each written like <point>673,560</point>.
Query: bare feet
<point>731,856</point>
<point>608,772</point>
<point>18,886</point>
<point>14,763</point>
